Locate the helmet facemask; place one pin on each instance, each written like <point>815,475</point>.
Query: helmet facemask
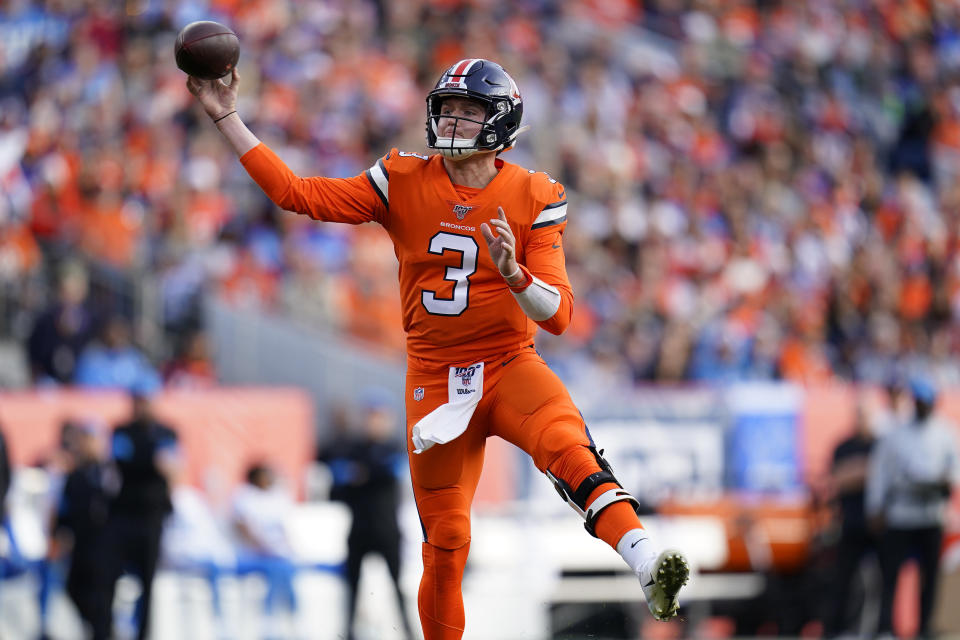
<point>460,148</point>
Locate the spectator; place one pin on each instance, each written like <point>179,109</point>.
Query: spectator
<point>61,332</point>
<point>191,368</point>
<point>114,361</point>
<point>910,480</point>
<point>768,153</point>
<point>366,467</point>
<point>145,454</point>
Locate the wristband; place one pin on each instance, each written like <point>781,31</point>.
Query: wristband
<point>520,286</point>
<point>513,275</point>
<point>230,113</point>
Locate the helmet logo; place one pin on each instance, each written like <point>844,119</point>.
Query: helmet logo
<point>456,76</point>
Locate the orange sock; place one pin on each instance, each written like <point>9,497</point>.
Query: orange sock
<point>573,467</point>
<point>615,520</point>
<point>440,599</point>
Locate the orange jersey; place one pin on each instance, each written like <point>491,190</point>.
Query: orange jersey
<point>456,305</point>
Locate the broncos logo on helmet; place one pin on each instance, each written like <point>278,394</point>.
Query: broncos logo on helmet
<point>488,83</point>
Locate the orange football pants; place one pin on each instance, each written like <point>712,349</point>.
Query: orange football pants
<point>524,403</point>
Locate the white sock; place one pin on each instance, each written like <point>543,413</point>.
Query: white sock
<point>636,548</point>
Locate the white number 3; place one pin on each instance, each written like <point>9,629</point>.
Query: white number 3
<point>460,276</point>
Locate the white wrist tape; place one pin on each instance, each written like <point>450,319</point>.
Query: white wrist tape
<point>513,275</point>
<point>539,300</point>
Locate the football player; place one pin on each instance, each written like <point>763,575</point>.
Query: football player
<point>479,241</point>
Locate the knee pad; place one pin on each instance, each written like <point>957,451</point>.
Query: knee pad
<point>446,523</point>
<point>577,498</point>
<point>451,532</point>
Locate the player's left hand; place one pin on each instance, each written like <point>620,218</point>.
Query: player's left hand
<point>501,243</point>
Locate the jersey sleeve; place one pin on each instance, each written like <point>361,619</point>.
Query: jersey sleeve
<point>543,252</point>
<point>352,200</point>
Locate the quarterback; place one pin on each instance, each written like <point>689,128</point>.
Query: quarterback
<point>479,242</point>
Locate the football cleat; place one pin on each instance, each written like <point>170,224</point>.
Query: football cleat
<point>661,579</point>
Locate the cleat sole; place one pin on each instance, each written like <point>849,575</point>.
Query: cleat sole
<point>672,574</point>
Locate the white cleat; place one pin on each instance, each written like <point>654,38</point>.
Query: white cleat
<point>661,579</point>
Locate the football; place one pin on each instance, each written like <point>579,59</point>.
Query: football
<point>207,50</point>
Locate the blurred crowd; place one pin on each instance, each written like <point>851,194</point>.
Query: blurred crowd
<point>760,189</point>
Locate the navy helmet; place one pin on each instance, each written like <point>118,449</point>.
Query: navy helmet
<point>488,83</point>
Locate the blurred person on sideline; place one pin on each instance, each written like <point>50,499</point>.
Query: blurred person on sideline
<point>6,476</point>
<point>63,330</point>
<point>56,465</point>
<point>80,528</point>
<point>261,509</point>
<point>6,473</point>
<point>194,541</point>
<point>366,467</point>
<point>912,472</point>
<point>848,476</point>
<point>145,453</point>
<point>470,316</point>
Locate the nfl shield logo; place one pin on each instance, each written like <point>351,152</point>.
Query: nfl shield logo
<point>461,210</point>
<point>418,394</point>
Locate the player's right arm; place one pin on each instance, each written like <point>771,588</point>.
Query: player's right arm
<point>219,100</point>
<point>353,200</point>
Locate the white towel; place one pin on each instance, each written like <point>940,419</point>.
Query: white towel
<point>446,422</point>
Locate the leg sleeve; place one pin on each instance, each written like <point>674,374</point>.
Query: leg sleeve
<point>444,480</point>
<point>445,476</point>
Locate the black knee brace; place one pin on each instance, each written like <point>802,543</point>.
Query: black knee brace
<point>577,498</point>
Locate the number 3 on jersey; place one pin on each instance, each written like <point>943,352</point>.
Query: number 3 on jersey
<point>460,276</point>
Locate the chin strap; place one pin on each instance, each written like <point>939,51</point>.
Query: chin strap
<point>447,149</point>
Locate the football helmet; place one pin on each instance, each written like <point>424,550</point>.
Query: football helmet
<point>488,83</point>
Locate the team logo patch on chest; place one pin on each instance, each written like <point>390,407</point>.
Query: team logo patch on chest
<point>461,210</point>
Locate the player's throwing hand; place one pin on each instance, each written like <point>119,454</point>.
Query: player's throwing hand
<point>216,97</point>
<point>502,244</point>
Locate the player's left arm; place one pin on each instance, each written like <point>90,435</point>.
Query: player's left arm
<point>540,286</point>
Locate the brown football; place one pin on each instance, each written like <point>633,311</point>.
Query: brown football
<point>207,49</point>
